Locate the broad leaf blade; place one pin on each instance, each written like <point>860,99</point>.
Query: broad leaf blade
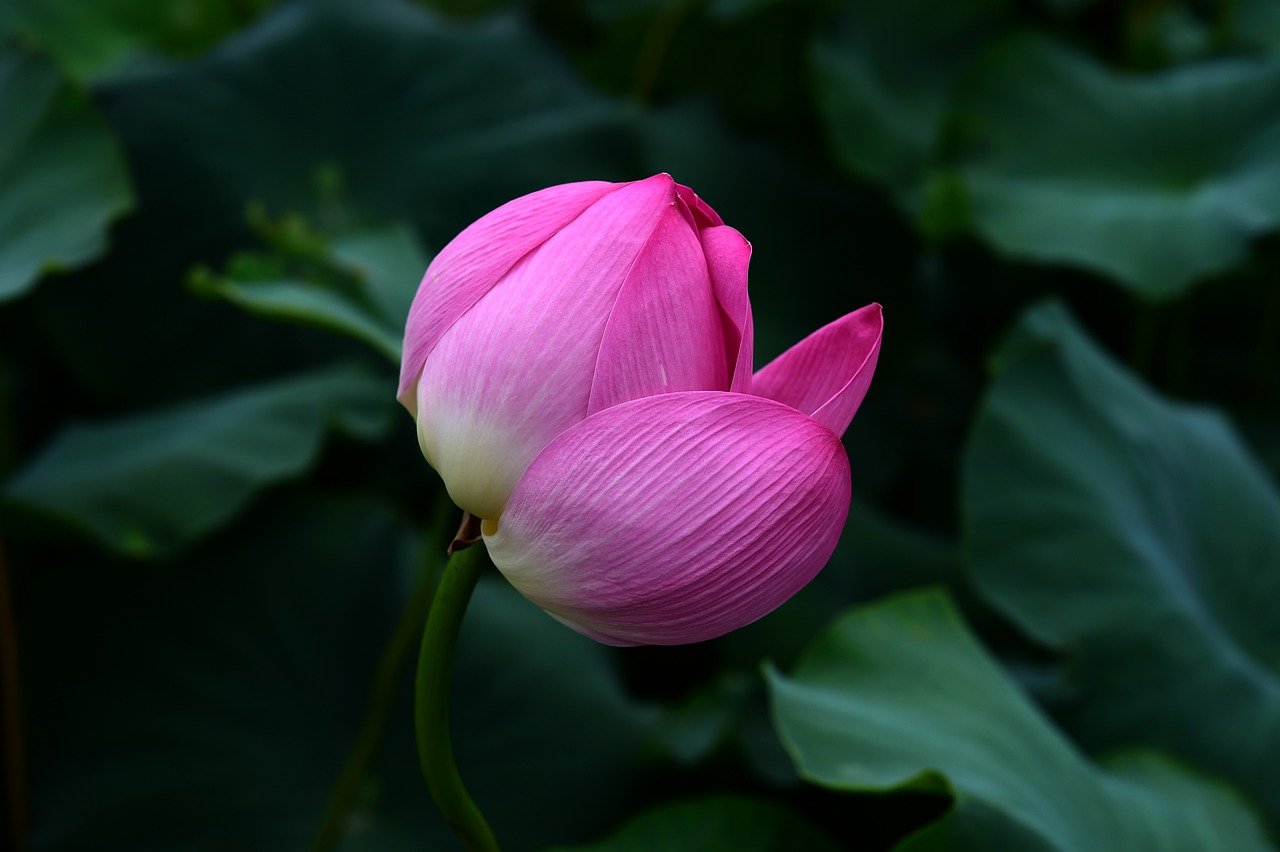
<point>151,483</point>
<point>378,111</point>
<point>62,174</point>
<point>350,114</point>
<point>1157,181</point>
<point>886,80</point>
<point>1141,536</point>
<point>899,695</point>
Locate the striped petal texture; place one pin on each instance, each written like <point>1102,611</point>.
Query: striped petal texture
<point>675,518</point>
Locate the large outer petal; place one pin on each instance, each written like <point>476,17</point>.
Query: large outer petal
<point>517,369</point>
<point>675,518</point>
<point>473,262</point>
<point>827,374</point>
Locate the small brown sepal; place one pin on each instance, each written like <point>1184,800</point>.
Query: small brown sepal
<point>468,534</point>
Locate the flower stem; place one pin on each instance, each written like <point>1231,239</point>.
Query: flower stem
<point>431,701</point>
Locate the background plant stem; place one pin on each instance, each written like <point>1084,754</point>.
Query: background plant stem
<point>431,701</point>
<point>346,789</point>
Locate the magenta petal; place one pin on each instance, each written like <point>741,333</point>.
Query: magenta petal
<point>473,262</point>
<point>664,331</point>
<point>827,374</point>
<point>703,215</point>
<point>675,518</point>
<point>728,255</point>
<point>517,369</point>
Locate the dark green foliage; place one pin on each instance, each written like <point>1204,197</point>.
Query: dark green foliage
<point>210,703</point>
<point>749,825</point>
<point>63,177</point>
<point>215,521</point>
<point>899,694</point>
<point>1158,574</point>
<point>156,481</point>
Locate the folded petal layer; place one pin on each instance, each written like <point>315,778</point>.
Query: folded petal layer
<point>728,255</point>
<point>664,331</point>
<point>827,374</point>
<point>674,518</point>
<point>700,211</point>
<point>473,262</point>
<point>517,368</point>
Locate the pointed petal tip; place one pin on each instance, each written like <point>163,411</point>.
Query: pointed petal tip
<point>656,190</point>
<point>827,374</point>
<point>661,180</point>
<point>702,214</point>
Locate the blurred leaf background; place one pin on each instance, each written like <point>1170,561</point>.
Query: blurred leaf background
<point>1053,622</point>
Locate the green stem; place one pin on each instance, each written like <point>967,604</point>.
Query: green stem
<point>373,728</point>
<point>431,701</point>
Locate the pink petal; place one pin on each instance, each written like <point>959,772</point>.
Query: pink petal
<point>827,374</point>
<point>664,332</point>
<point>674,518</point>
<point>473,262</point>
<point>728,255</point>
<point>703,215</point>
<point>517,369</point>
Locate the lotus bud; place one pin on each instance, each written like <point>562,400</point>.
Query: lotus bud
<point>579,365</point>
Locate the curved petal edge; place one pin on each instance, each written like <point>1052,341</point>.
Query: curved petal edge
<point>728,256</point>
<point>675,518</point>
<point>475,260</point>
<point>827,374</point>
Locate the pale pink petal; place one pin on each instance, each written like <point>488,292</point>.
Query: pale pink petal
<point>728,255</point>
<point>473,262</point>
<point>665,331</point>
<point>827,374</point>
<point>517,368</point>
<point>674,518</point>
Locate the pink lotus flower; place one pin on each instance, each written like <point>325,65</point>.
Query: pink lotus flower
<point>579,365</point>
